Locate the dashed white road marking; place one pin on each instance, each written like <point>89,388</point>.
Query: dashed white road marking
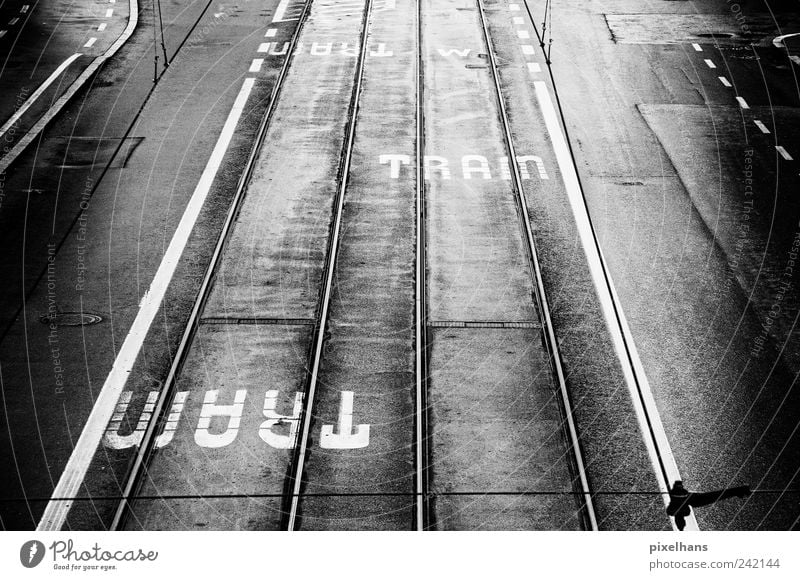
<point>761,126</point>
<point>109,13</point>
<point>523,34</point>
<point>37,93</point>
<point>724,81</point>
<point>13,21</point>
<point>2,33</point>
<point>271,32</point>
<point>534,67</point>
<point>795,59</point>
<point>528,49</point>
<point>264,47</point>
<point>75,471</point>
<point>784,153</point>
<point>518,20</point>
<point>658,446</point>
<point>24,8</point>
<point>513,7</point>
<point>255,66</point>
<point>102,27</point>
<point>697,47</point>
<point>742,103</point>
<point>90,42</point>
<point>710,63</point>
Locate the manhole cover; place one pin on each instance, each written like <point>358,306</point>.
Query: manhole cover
<point>71,319</point>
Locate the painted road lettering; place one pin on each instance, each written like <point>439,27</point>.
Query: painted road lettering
<point>472,166</point>
<point>266,432</point>
<point>279,431</point>
<point>346,438</point>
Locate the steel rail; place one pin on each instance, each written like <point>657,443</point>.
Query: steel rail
<point>544,308</point>
<point>298,465</point>
<point>421,366</point>
<point>133,479</point>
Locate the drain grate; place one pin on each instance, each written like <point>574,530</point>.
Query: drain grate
<point>482,324</point>
<point>266,321</point>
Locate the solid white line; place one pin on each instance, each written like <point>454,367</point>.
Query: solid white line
<point>69,484</point>
<point>133,20</point>
<point>742,103</point>
<point>784,153</point>
<point>612,310</point>
<point>761,126</point>
<point>271,32</point>
<point>725,81</point>
<point>528,49</point>
<point>697,47</point>
<point>534,67</point>
<point>523,34</point>
<point>710,63</point>
<point>102,27</point>
<point>255,66</point>
<point>37,93</point>
<point>109,12</point>
<point>90,42</point>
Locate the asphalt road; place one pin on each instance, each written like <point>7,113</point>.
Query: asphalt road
<point>682,118</point>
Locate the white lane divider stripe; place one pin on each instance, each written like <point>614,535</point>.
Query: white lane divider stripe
<point>90,42</point>
<point>102,27</point>
<point>513,7</point>
<point>71,479</point>
<point>642,397</point>
<point>761,126</point>
<point>534,67</point>
<point>518,20</point>
<point>742,103</point>
<point>697,47</point>
<point>24,8</point>
<point>109,13</point>
<point>37,93</point>
<point>2,33</point>
<point>13,21</point>
<point>725,81</point>
<point>523,34</point>
<point>784,153</point>
<point>271,32</point>
<point>255,66</point>
<point>27,139</point>
<point>528,49</point>
<point>710,63</point>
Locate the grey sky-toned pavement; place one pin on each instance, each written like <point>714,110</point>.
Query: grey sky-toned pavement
<point>398,264</point>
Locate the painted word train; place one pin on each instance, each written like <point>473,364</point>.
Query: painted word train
<point>278,431</point>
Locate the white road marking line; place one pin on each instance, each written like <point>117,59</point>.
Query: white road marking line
<point>71,479</point>
<point>778,40</point>
<point>109,13</point>
<point>761,126</point>
<point>280,12</point>
<point>255,66</point>
<point>534,67</point>
<point>28,138</point>
<point>102,27</point>
<point>795,59</point>
<point>271,32</point>
<point>523,34</point>
<point>697,47</point>
<point>36,94</point>
<point>528,49</point>
<point>710,63</point>
<point>24,8</point>
<point>13,21</point>
<point>742,103</point>
<point>2,33</point>
<point>90,42</point>
<point>513,7</point>
<point>784,153</point>
<point>518,20</point>
<point>264,47</point>
<point>642,397</point>
<point>725,81</point>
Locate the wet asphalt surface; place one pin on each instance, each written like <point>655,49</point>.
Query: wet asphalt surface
<point>662,147</point>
